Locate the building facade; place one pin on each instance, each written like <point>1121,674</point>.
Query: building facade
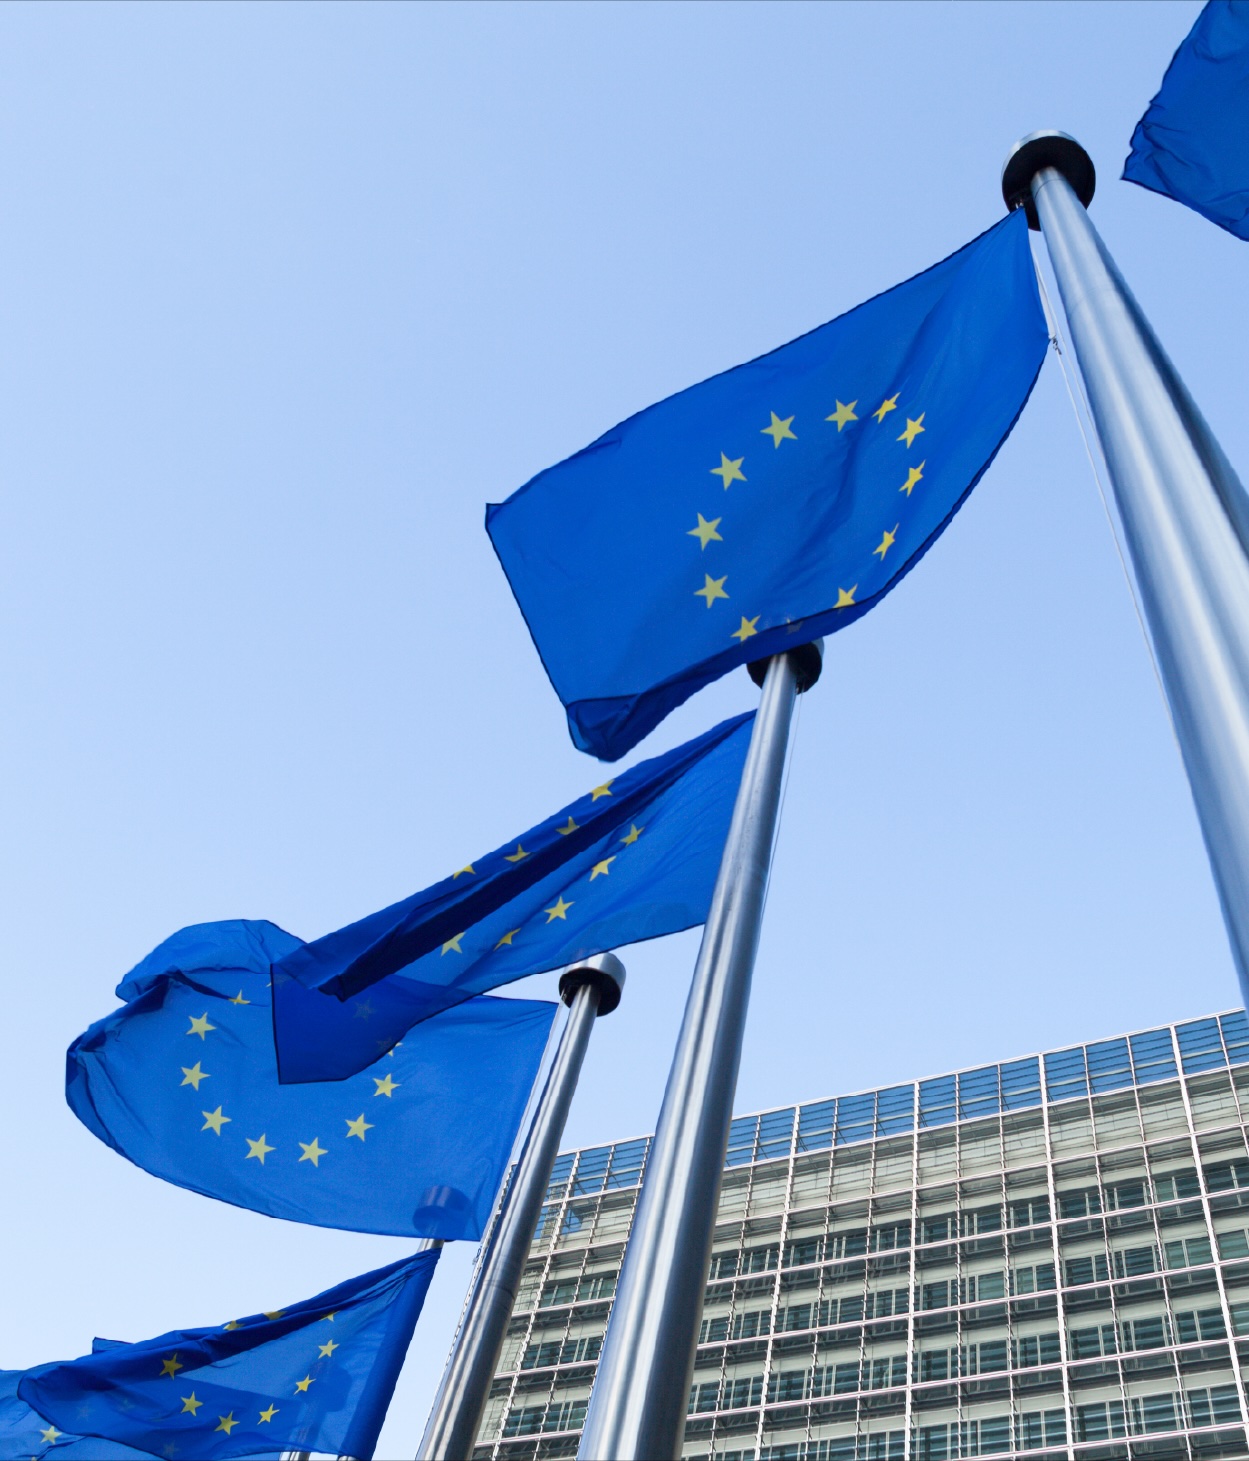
<point>1046,1257</point>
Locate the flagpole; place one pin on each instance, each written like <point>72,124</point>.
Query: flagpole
<point>1184,512</point>
<point>637,1407</point>
<point>589,989</point>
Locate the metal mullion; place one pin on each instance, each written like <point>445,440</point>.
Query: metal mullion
<point>733,1305</point>
<point>533,1313</point>
<point>1224,1302</point>
<point>1061,1305</point>
<point>911,1376</point>
<point>776,1287</point>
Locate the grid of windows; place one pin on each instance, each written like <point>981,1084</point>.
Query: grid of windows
<point>1046,1257</point>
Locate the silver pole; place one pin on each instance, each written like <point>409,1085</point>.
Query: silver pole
<point>1184,512</point>
<point>590,989</point>
<point>637,1408</point>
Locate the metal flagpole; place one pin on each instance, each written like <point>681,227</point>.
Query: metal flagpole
<point>637,1407</point>
<point>1184,512</point>
<point>590,988</point>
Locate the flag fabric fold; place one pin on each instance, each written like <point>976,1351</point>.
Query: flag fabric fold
<point>24,1432</point>
<point>314,1377</point>
<point>1192,144</point>
<point>633,859</point>
<point>774,503</point>
<point>182,1080</point>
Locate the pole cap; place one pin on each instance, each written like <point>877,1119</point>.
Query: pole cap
<point>807,660</point>
<point>1040,150</point>
<point>604,971</point>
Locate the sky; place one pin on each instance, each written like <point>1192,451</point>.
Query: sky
<point>289,293</point>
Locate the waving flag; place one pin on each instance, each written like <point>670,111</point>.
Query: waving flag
<point>1192,144</point>
<point>634,858</point>
<point>183,1081</point>
<point>24,1432</point>
<point>774,503</point>
<point>314,1377</point>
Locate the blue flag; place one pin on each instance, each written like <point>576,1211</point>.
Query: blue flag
<point>183,1081</point>
<point>774,503</point>
<point>634,858</point>
<point>1192,144</point>
<point>24,1432</point>
<point>315,1377</point>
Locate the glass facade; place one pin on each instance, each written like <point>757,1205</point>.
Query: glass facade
<point>1047,1257</point>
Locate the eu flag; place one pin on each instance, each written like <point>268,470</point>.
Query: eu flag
<point>183,1081</point>
<point>24,1432</point>
<point>774,503</point>
<point>634,858</point>
<point>314,1377</point>
<point>1192,144</point>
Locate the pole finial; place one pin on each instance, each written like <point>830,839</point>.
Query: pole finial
<point>1040,150</point>
<point>807,660</point>
<point>604,971</point>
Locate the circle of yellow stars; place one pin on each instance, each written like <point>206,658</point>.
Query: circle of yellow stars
<point>191,1404</point>
<point>560,909</point>
<point>780,429</point>
<point>259,1148</point>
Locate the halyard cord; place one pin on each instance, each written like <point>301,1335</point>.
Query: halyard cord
<point>1072,390</point>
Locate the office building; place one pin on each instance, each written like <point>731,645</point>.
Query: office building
<point>1046,1257</point>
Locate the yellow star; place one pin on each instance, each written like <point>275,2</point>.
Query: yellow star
<point>467,868</point>
<point>226,1423</point>
<point>313,1151</point>
<point>632,835</point>
<point>845,597</point>
<point>275,1314</point>
<point>705,532</point>
<point>843,414</point>
<point>746,630</point>
<point>779,430</point>
<point>214,1120</point>
<point>560,910</point>
<point>51,1434</point>
<point>189,1404</point>
<point>886,542</point>
<point>200,1027</point>
<point>193,1075</point>
<point>386,1086</point>
<point>885,407</point>
<point>364,1010</point>
<point>913,428</point>
<point>569,830</point>
<point>171,1366</point>
<point>359,1126</point>
<point>729,471</point>
<point>604,790</point>
<point>912,478</point>
<point>454,943</point>
<point>712,589</point>
<point>601,869</point>
<point>518,856</point>
<point>329,1318</point>
<point>259,1149</point>
<point>327,1349</point>
<point>303,1384</point>
<point>233,1324</point>
<point>267,1414</point>
<point>238,999</point>
<point>507,938</point>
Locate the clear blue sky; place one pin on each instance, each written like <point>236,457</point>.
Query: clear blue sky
<point>289,292</point>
